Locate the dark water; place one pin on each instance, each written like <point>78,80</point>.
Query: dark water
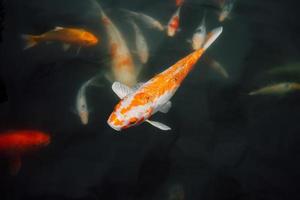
<point>224,144</point>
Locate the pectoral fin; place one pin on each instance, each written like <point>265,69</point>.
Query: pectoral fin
<point>166,107</point>
<point>120,89</point>
<point>66,46</point>
<point>159,125</point>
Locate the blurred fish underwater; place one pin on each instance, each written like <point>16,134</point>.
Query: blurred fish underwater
<point>75,74</point>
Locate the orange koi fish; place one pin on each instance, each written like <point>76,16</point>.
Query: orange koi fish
<point>14,144</point>
<point>139,104</point>
<point>123,67</point>
<point>68,36</point>
<point>173,25</point>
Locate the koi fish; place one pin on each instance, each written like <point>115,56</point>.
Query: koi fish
<point>14,144</point>
<point>173,25</point>
<point>226,8</point>
<point>140,43</point>
<point>290,69</point>
<point>148,20</point>
<point>68,36</point>
<point>140,103</point>
<point>199,36</point>
<point>216,66</point>
<point>123,68</point>
<point>277,89</point>
<point>81,103</point>
<point>179,3</point>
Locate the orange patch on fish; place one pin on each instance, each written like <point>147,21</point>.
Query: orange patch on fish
<point>125,61</point>
<point>175,23</point>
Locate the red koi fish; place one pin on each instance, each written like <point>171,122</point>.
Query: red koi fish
<point>14,144</point>
<point>173,25</point>
<point>139,104</point>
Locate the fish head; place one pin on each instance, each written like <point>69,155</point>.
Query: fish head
<point>89,39</point>
<point>223,15</point>
<point>39,138</point>
<point>198,40</point>
<point>129,112</point>
<point>84,117</point>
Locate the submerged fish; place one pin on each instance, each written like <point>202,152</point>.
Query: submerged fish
<point>81,103</point>
<point>148,20</point>
<point>217,67</point>
<point>14,144</point>
<point>277,89</point>
<point>290,69</point>
<point>68,36</point>
<point>226,8</point>
<point>199,35</point>
<point>173,25</point>
<point>140,43</point>
<point>123,67</point>
<point>139,104</point>
<point>179,3</point>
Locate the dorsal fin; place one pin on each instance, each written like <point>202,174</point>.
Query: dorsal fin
<point>57,28</point>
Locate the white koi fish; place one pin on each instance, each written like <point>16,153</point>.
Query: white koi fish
<point>81,103</point>
<point>148,20</point>
<point>277,89</point>
<point>226,8</point>
<point>140,43</point>
<point>139,104</point>
<point>123,67</point>
<point>199,36</point>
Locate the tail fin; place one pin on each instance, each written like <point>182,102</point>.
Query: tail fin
<point>212,36</point>
<point>29,41</point>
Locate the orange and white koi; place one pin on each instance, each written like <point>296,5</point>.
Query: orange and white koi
<point>68,36</point>
<point>148,20</point>
<point>140,43</point>
<point>123,67</point>
<point>173,25</point>
<point>139,104</point>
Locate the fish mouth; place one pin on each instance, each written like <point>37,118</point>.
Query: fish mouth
<point>117,128</point>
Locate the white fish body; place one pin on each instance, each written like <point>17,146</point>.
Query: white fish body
<point>141,44</point>
<point>148,20</point>
<point>199,36</point>
<point>81,103</point>
<point>123,67</point>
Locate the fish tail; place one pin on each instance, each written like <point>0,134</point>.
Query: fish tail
<point>30,41</point>
<point>212,36</point>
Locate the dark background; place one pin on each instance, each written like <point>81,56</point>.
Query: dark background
<point>223,144</point>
